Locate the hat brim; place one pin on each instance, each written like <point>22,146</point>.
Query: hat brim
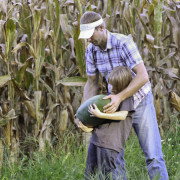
<point>86,34</point>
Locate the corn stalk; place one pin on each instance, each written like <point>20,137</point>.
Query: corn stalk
<point>41,80</point>
<point>11,138</point>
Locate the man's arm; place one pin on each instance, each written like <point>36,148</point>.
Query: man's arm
<point>91,87</point>
<point>137,82</point>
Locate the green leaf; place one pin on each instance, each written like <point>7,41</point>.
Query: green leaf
<point>67,29</point>
<point>36,20</point>
<point>39,60</point>
<point>150,10</point>
<point>21,73</point>
<point>48,88</point>
<point>45,132</point>
<point>73,81</point>
<point>9,116</point>
<point>25,20</point>
<point>57,17</point>
<point>19,91</point>
<point>18,46</point>
<point>133,15</point>
<point>109,8</point>
<point>4,80</point>
<point>30,108</point>
<point>158,19</point>
<point>37,97</point>
<point>9,32</point>
<point>79,51</point>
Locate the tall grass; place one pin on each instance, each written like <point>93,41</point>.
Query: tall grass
<point>67,162</point>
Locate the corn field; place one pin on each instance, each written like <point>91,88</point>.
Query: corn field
<point>42,65</point>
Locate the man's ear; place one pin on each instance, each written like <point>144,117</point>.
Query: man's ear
<point>101,27</point>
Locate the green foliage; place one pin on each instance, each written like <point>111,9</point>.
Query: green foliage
<point>4,80</point>
<point>68,160</point>
<point>72,81</point>
<point>5,118</point>
<point>9,34</point>
<point>42,56</point>
<point>64,163</point>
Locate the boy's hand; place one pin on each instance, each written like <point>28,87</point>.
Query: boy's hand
<point>93,109</point>
<point>76,121</point>
<point>83,127</point>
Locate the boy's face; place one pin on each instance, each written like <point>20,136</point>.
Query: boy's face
<point>110,87</point>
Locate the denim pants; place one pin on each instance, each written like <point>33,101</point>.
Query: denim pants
<point>100,163</point>
<point>146,128</point>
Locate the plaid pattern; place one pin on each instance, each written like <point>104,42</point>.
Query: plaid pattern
<point>120,51</point>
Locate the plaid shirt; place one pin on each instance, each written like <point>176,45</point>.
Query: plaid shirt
<point>120,51</point>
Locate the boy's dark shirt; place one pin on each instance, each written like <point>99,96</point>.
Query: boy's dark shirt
<point>113,135</point>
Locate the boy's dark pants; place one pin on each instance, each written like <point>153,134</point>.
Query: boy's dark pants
<point>101,161</point>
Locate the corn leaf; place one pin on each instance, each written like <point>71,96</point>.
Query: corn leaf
<point>9,34</point>
<point>30,108</point>
<point>72,81</point>
<point>26,21</point>
<point>48,88</point>
<point>19,91</point>
<point>57,25</point>
<point>45,132</point>
<point>67,29</point>
<point>1,154</point>
<point>175,100</point>
<point>79,51</point>
<point>40,57</point>
<point>20,75</point>
<point>63,120</point>
<point>20,45</point>
<point>9,116</point>
<point>4,80</point>
<point>36,21</point>
<point>37,97</point>
<point>158,20</point>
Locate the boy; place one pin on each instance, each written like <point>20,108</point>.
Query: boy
<point>109,139</point>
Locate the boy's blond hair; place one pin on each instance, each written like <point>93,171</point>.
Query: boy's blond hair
<point>119,78</point>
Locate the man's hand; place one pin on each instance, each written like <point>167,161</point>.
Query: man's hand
<point>113,105</point>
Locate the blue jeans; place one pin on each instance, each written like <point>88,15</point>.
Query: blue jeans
<point>101,162</point>
<point>146,128</point>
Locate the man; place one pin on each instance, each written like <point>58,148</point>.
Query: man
<point>106,51</point>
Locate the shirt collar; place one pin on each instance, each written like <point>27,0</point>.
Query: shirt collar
<point>109,40</point>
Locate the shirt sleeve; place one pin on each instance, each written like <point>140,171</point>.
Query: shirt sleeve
<point>127,105</point>
<point>91,68</point>
<point>130,53</point>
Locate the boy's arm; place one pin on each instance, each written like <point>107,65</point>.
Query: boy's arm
<point>83,127</point>
<point>120,115</point>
